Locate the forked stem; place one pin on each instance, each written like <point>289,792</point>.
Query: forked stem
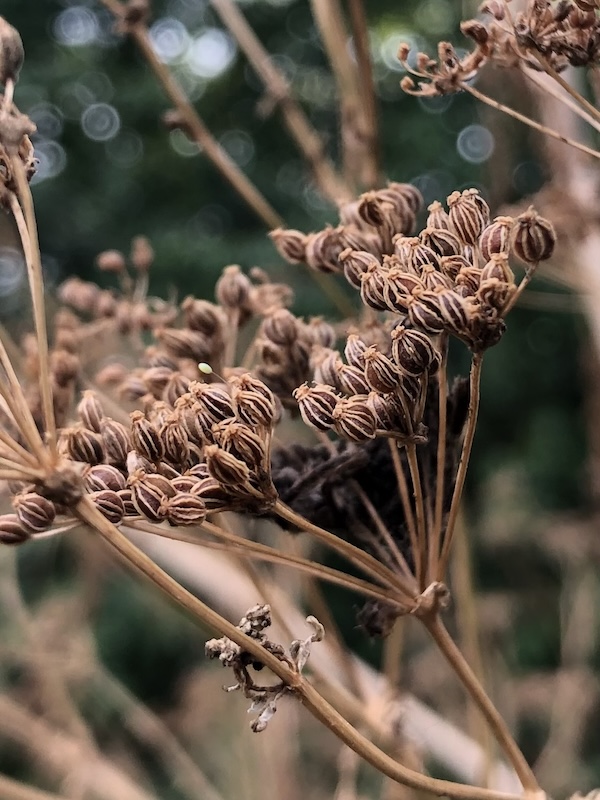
<point>474,392</point>
<point>455,658</point>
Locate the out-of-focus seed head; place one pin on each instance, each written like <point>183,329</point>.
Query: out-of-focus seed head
<point>381,373</point>
<point>12,531</point>
<point>319,332</point>
<point>496,237</point>
<point>110,261</point>
<point>144,435</point>
<point>413,351</point>
<point>438,217</point>
<point>290,244</point>
<point>116,440</point>
<point>316,404</point>
<point>109,504</point>
<point>34,512</point>
<point>496,8</point>
<point>408,193</point>
<point>357,263</point>
<point>233,289</point>
<point>177,385</point>
<point>355,351</point>
<point>11,52</point>
<point>466,217</point>
<point>142,254</point>
<point>475,30</point>
<point>499,268</point>
<point>323,250</point>
<point>225,467</point>
<point>533,237</point>
<point>202,316</point>
<point>326,364</point>
<point>281,327</point>
<point>185,343</point>
<point>184,509</point>
<point>90,411</point>
<point>156,378</point>
<point>354,419</point>
<point>111,375</point>
<point>82,445</point>
<point>103,477</point>
<point>64,367</point>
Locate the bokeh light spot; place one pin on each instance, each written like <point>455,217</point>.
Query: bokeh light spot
<point>76,26</point>
<point>100,122</point>
<point>211,53</point>
<point>170,39</point>
<point>475,144</point>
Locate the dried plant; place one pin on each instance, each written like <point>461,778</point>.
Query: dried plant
<point>353,432</point>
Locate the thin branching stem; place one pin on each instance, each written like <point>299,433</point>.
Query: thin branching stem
<point>442,382</point>
<point>19,408</point>
<point>420,554</point>
<point>404,495</point>
<point>528,121</point>
<point>553,91</point>
<point>530,272</point>
<point>474,394</point>
<point>577,97</point>
<point>24,214</point>
<point>15,790</point>
<point>471,683</point>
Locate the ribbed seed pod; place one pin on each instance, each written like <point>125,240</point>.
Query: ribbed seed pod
<point>418,254</point>
<point>373,210</point>
<point>12,531</point>
<point>117,441</point>
<point>407,192</point>
<point>496,237</point>
<point>90,411</point>
<point>254,402</point>
<point>470,278</point>
<point>138,464</point>
<point>281,327</point>
<point>387,412</point>
<point>290,244</point>
<point>317,331</point>
<point>109,504</point>
<point>34,512</point>
<point>129,509</point>
<point>357,263</point>
<point>443,242</point>
<point>316,404</point>
<point>424,312</point>
<point>233,288</point>
<point>355,350</point>
<point>240,440</point>
<point>414,352</point>
<point>196,424</point>
<point>399,287</point>
<point>455,311</point>
<point>174,441</point>
<point>156,379</point>
<point>326,366</point>
<point>381,373</point>
<point>323,250</point>
<point>438,217</point>
<point>433,280</point>
<point>202,316</point>
<point>225,467</point>
<point>498,267</point>
<point>198,471</point>
<point>466,217</point>
<point>148,492</point>
<point>184,483</point>
<point>214,496</point>
<point>402,217</point>
<point>83,445</point>
<point>145,437</point>
<point>354,418</point>
<point>353,380</point>
<point>214,398</point>
<point>484,209</point>
<point>103,477</point>
<point>177,385</point>
<point>184,343</point>
<point>495,293</point>
<point>533,237</point>
<point>452,265</point>
<point>184,509</point>
<point>372,289</point>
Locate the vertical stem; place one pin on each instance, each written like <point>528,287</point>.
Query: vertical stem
<point>469,680</point>
<point>404,495</point>
<point>421,554</point>
<point>442,381</point>
<point>474,392</point>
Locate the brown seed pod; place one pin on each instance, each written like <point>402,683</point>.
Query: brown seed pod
<point>109,504</point>
<point>452,265</point>
<point>185,343</point>
<point>353,380</point>
<point>290,244</point>
<point>354,351</point>
<point>174,442</point>
<point>195,422</point>
<point>418,254</point>
<point>319,332</point>
<point>214,398</point>
<point>469,278</point>
<point>141,254</point>
<point>177,385</point>
<point>354,419</point>
<point>34,512</point>
<point>387,412</point>
<point>484,209</point>
<point>185,483</point>
<point>466,217</point>
<point>202,316</point>
<point>498,267</point>
<point>116,440</point>
<point>316,404</point>
<point>443,242</point>
<point>104,477</point>
<point>414,352</point>
<point>145,438</point>
<point>533,237</point>
<point>254,402</point>
<point>233,288</point>
<point>357,263</point>
<point>83,445</point>
<point>147,493</point>
<point>433,280</point>
<point>156,378</point>
<point>408,193</point>
<point>495,293</point>
<point>11,53</point>
<point>495,238</point>
<point>212,493</point>
<point>373,210</point>
<point>110,261</point>
<point>323,250</point>
<point>456,311</point>
<point>129,509</point>
<point>12,531</point>
<point>241,441</point>
<point>326,364</point>
<point>225,467</point>
<point>184,509</point>
<point>281,327</point>
<point>90,411</point>
<point>424,312</point>
<point>381,373</point>
<point>372,289</point>
<point>438,217</point>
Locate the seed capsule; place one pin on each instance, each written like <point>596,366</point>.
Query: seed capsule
<point>184,509</point>
<point>469,278</point>
<point>357,263</point>
<point>129,509</point>
<point>353,380</point>
<point>90,411</point>
<point>12,531</point>
<point>533,237</point>
<point>438,217</point>
<point>214,496</point>
<point>83,445</point>
<point>354,419</point>
<point>109,504</point>
<point>34,512</point>
<point>326,364</point>
<point>177,385</point>
<point>173,440</point>
<point>225,467</point>
<point>185,343</point>
<point>456,311</point>
<point>495,293</point>
<point>399,287</point>
<point>214,399</point>
<point>290,244</point>
<point>354,351</point>
<point>281,327</point>
<point>496,237</point>
<point>466,217</point>
<point>103,477</point>
<point>202,316</point>
<point>442,242</point>
<point>452,265</point>
<point>145,437</point>
<point>424,312</point>
<point>433,280</point>
<point>117,441</point>
<point>148,492</point>
<point>413,351</point>
<point>408,193</point>
<point>316,405</point>
<point>241,441</point>
<point>372,289</point>
<point>233,288</point>
<point>323,250</point>
<point>497,267</point>
<point>387,412</point>
<point>381,373</point>
<point>254,402</point>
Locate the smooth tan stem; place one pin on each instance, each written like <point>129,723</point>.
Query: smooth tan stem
<point>442,381</point>
<point>420,555</point>
<point>549,69</point>
<point>24,215</point>
<point>15,790</point>
<point>520,289</point>
<point>463,464</point>
<point>528,121</point>
<point>455,658</point>
<point>404,495</point>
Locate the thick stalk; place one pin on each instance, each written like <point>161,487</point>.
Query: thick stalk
<point>15,790</point>
<point>469,680</point>
<point>474,392</point>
